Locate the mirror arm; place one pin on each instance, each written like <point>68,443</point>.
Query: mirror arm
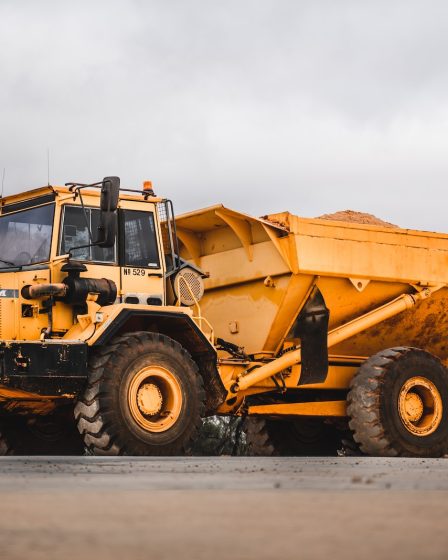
<point>79,186</point>
<point>93,244</point>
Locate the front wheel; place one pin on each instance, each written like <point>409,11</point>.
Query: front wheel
<point>145,397</point>
<point>398,404</point>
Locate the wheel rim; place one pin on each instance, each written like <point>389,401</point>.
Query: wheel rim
<point>420,406</point>
<point>155,399</point>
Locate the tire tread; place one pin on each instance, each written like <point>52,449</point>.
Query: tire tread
<point>91,413</point>
<point>363,403</point>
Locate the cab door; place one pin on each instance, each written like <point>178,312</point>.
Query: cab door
<point>142,268</point>
<point>77,225</point>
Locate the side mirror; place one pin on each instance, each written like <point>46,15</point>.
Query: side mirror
<point>110,191</point>
<point>107,228</point>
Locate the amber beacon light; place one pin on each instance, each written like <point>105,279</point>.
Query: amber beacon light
<point>147,187</point>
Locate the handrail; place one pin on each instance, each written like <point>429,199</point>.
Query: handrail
<point>200,320</point>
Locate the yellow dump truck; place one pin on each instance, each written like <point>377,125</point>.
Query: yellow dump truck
<point>121,328</point>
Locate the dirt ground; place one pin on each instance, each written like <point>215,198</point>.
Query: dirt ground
<point>216,508</point>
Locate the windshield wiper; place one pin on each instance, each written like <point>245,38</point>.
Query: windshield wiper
<point>8,262</point>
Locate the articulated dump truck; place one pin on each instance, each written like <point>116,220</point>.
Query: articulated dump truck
<point>122,327</point>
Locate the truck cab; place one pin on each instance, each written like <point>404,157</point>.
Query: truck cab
<point>81,266</point>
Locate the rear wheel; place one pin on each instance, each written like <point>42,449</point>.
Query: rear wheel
<point>398,404</point>
<point>298,437</point>
<point>55,434</point>
<point>5,448</point>
<point>145,397</point>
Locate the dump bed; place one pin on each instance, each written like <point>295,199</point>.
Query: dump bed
<point>261,271</point>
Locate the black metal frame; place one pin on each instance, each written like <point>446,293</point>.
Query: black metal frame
<point>44,368</point>
<point>311,326</point>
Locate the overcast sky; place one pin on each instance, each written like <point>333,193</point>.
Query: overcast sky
<point>264,105</point>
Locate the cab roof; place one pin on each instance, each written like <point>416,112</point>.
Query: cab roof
<point>55,190</point>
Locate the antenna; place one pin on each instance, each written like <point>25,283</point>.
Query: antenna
<point>48,166</point>
<point>3,182</point>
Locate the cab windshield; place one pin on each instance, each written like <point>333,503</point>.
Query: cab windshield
<point>25,237</point>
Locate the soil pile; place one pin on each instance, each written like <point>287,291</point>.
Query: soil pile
<point>356,217</point>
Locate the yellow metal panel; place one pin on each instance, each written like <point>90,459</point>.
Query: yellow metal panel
<point>294,296</point>
<point>285,246</point>
<point>34,193</point>
<point>30,328</point>
<point>233,267</point>
<point>9,315</point>
<point>56,228</point>
<point>245,313</point>
<point>324,408</point>
<point>354,250</point>
<point>206,219</point>
<point>241,228</point>
<point>345,302</point>
<point>191,242</point>
<point>109,313</point>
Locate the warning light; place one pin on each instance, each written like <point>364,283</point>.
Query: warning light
<point>147,187</point>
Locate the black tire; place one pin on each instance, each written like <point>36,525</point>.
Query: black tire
<point>55,434</point>
<point>5,448</point>
<point>373,404</point>
<point>298,437</point>
<point>104,415</point>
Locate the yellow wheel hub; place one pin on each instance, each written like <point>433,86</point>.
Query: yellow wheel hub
<point>149,399</point>
<point>420,406</point>
<point>413,407</point>
<point>155,398</point>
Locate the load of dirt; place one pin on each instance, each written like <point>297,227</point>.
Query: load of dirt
<point>357,218</point>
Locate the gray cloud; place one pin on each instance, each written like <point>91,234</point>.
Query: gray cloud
<point>265,105</point>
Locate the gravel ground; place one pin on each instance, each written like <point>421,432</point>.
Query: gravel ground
<point>213,508</point>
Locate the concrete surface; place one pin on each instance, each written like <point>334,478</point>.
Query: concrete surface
<point>216,508</point>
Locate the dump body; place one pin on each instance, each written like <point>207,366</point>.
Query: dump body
<point>262,271</point>
<point>260,275</point>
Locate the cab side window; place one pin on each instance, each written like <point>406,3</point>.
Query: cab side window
<point>75,233</point>
<point>140,241</point>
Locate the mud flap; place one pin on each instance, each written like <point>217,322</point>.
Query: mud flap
<point>311,327</point>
